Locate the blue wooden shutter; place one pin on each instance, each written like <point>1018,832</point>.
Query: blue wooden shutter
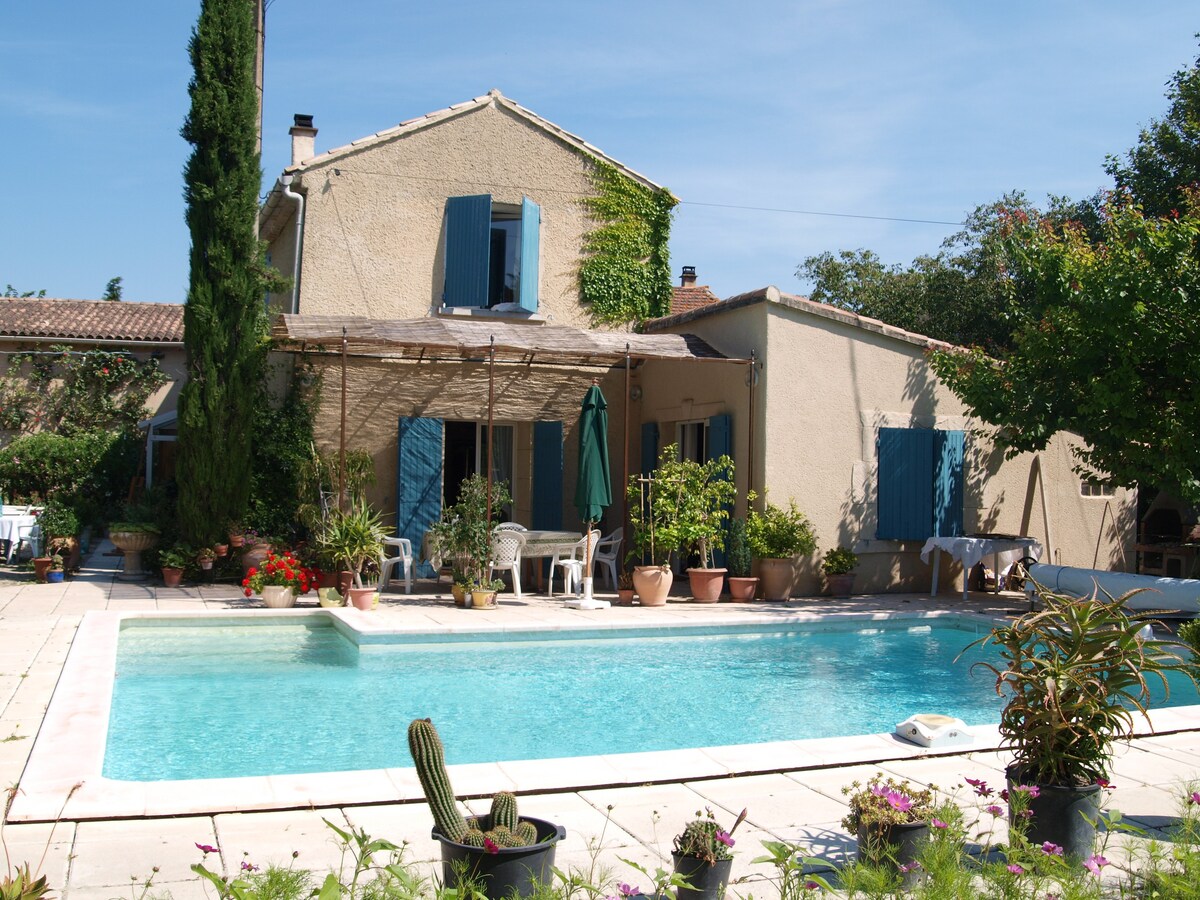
<point>649,447</point>
<point>948,483</point>
<point>719,442</point>
<point>905,484</point>
<point>468,248</point>
<point>418,481</point>
<point>531,220</point>
<point>547,475</point>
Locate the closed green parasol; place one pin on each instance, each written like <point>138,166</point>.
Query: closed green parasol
<point>593,484</point>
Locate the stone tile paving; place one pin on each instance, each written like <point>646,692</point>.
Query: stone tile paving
<point>100,860</point>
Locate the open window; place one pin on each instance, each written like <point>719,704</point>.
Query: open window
<point>491,254</point>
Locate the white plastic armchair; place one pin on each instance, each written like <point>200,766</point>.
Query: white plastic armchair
<point>507,546</point>
<point>28,536</point>
<point>402,560</point>
<point>607,552</point>
<point>573,565</point>
<point>510,526</point>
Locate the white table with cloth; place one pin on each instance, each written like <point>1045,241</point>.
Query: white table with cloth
<point>971,549</point>
<point>541,544</point>
<point>11,529</point>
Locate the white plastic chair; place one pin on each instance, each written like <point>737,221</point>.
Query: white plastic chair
<point>510,526</point>
<point>573,565</point>
<point>403,559</point>
<point>507,544</point>
<point>29,536</point>
<point>607,552</point>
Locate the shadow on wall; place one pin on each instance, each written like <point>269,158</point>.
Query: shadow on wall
<point>983,463</point>
<point>920,387</point>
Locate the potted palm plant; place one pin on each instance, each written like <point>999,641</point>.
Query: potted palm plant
<point>838,567</point>
<point>706,494</point>
<point>777,536</point>
<point>351,538</point>
<point>703,857</point>
<point>739,561</point>
<point>1075,674</point>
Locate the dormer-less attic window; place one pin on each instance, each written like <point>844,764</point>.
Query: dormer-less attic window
<point>491,253</point>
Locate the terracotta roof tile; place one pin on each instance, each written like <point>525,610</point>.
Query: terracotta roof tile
<point>684,299</point>
<point>91,320</point>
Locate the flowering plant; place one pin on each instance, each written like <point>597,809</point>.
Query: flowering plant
<point>704,839</point>
<point>283,570</point>
<point>883,802</point>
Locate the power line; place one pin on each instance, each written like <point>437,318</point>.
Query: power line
<point>812,212</point>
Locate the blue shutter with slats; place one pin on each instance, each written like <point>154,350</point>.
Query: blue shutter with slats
<point>905,484</point>
<point>468,248</point>
<point>418,481</point>
<point>948,483</point>
<point>649,447</point>
<point>531,219</point>
<point>719,442</point>
<point>547,475</point>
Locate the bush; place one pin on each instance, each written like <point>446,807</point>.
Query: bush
<point>57,520</point>
<point>86,471</point>
<point>777,533</point>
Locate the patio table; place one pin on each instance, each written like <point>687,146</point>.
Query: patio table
<point>970,550</point>
<point>10,531</point>
<point>546,545</point>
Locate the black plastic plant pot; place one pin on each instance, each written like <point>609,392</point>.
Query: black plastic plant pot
<point>708,880</point>
<point>506,871</point>
<point>897,845</point>
<point>1065,815</point>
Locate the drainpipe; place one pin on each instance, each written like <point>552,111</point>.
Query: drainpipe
<point>285,182</point>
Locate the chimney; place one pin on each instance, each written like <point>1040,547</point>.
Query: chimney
<point>687,278</point>
<point>304,138</point>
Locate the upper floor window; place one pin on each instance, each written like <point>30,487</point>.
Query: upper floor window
<point>1096,489</point>
<point>920,483</point>
<point>491,253</point>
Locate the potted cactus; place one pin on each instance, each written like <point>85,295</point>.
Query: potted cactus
<point>501,853</point>
<point>703,857</point>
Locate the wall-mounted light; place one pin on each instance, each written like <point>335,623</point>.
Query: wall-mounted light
<point>635,393</point>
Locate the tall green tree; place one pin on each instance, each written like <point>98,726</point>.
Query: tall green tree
<point>1107,348</point>
<point>1165,163</point>
<point>112,290</point>
<point>224,320</point>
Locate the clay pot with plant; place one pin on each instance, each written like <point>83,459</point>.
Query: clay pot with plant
<point>1075,673</point>
<point>703,857</point>
<point>891,820</point>
<point>706,494</point>
<point>463,535</point>
<point>654,504</point>
<point>739,560</point>
<point>777,536</point>
<point>838,567</point>
<point>60,525</point>
<point>352,538</point>
<point>625,591</point>
<point>173,562</point>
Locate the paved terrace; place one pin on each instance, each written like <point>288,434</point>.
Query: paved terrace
<point>95,859</point>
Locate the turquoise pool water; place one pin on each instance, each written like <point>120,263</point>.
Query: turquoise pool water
<point>217,701</point>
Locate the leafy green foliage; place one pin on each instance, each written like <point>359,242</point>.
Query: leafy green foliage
<point>464,532</point>
<point>705,493</point>
<point>839,561</point>
<point>224,320</point>
<point>1074,672</point>
<point>626,276</point>
<point>1106,348</point>
<point>738,558</point>
<point>70,391</point>
<point>352,538</point>
<point>10,291</point>
<point>778,533</point>
<point>283,441</point>
<point>704,839</point>
<point>112,290</point>
<point>88,471</point>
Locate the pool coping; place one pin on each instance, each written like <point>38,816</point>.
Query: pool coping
<point>69,748</point>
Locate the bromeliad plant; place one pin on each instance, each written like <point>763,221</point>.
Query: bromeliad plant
<point>704,839</point>
<point>1075,673</point>
<point>501,828</point>
<point>283,570</point>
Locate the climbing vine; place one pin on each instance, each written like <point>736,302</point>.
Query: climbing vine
<point>626,276</point>
<point>69,392</point>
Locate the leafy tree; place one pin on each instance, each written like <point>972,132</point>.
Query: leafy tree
<point>1106,349</point>
<point>10,291</point>
<point>112,291</point>
<point>224,321</point>
<point>1166,161</point>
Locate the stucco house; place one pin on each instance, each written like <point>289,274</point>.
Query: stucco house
<point>436,288</point>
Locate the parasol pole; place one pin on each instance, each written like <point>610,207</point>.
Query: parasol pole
<point>342,444</point>
<point>491,402</point>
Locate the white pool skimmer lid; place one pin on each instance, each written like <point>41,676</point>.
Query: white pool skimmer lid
<point>934,731</point>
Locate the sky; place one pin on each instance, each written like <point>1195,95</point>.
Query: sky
<point>786,128</point>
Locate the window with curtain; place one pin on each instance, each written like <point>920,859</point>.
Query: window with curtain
<point>491,253</point>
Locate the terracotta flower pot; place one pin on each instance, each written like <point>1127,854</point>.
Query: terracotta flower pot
<point>362,598</point>
<point>255,556</point>
<point>171,576</point>
<point>840,585</point>
<point>221,549</point>
<point>741,590</point>
<point>652,584</point>
<point>777,578</point>
<point>625,596</point>
<point>41,565</point>
<point>706,584</point>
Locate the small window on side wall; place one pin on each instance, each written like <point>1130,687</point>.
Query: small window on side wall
<point>1088,488</point>
<point>491,254</point>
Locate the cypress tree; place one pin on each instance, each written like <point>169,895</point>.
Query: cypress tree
<point>224,320</point>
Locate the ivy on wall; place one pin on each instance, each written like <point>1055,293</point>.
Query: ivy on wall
<point>69,392</point>
<point>626,276</point>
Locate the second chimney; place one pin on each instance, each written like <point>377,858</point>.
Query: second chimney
<point>304,138</point>
<point>687,278</point>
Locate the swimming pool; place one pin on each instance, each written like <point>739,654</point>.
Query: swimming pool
<point>240,700</point>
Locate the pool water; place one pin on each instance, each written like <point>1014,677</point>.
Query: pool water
<point>219,701</point>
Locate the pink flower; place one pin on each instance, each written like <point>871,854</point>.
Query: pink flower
<point>1105,783</point>
<point>489,846</point>
<point>980,786</point>
<point>1052,849</point>
<point>898,801</point>
<point>206,849</point>
<point>1031,789</point>
<point>724,838</point>
<point>994,810</point>
<point>1195,798</point>
<point>1095,863</point>
<point>811,886</point>
<point>908,867</point>
<point>937,823</point>
<point>1015,869</point>
<point>627,890</point>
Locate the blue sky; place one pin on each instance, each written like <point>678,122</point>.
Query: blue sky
<point>917,110</point>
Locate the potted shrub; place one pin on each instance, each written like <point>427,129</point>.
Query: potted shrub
<point>131,538</point>
<point>500,854</point>
<point>890,820</point>
<point>1074,672</point>
<point>777,536</point>
<point>703,857</point>
<point>838,567</point>
<point>483,593</point>
<point>55,572</point>
<point>706,493</point>
<point>466,533</point>
<point>351,538</point>
<point>205,557</point>
<point>625,589</point>
<point>278,581</point>
<point>237,537</point>
<point>739,560</point>
<point>173,562</point>
<point>654,505</point>
<point>60,525</point>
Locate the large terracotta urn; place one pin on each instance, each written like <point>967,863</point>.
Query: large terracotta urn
<point>652,584</point>
<point>777,578</point>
